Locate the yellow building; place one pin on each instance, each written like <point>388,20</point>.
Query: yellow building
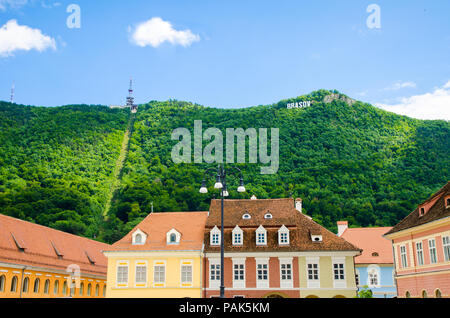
<point>160,258</point>
<point>39,262</point>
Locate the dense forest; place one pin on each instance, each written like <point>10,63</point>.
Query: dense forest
<point>56,164</point>
<point>345,159</point>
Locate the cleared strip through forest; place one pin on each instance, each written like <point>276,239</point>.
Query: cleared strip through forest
<point>119,166</point>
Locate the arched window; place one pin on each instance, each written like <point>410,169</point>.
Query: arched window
<point>14,284</point>
<point>47,287</point>
<point>138,239</point>
<point>65,288</point>
<point>97,290</point>
<point>56,288</point>
<point>424,294</point>
<point>2,283</point>
<point>25,284</point>
<point>373,278</point>
<point>173,238</point>
<point>89,289</point>
<point>438,293</point>
<point>408,295</point>
<point>37,282</point>
<point>81,289</point>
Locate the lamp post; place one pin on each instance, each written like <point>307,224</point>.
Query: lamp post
<point>221,184</point>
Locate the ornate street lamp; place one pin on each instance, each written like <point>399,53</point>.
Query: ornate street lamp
<point>222,185</point>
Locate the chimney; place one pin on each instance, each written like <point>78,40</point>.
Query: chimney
<point>342,226</point>
<point>298,205</point>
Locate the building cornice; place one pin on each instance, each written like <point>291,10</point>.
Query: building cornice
<point>418,228</point>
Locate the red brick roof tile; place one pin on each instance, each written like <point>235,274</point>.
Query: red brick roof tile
<point>156,225</point>
<point>26,243</point>
<point>284,213</point>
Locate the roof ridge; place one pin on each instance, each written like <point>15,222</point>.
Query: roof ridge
<point>51,229</point>
<point>439,192</point>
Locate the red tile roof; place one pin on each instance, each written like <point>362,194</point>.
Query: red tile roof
<point>26,243</point>
<point>371,241</point>
<point>283,211</point>
<point>191,225</point>
<point>436,209</point>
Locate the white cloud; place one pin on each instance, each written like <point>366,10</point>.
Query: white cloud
<point>434,105</point>
<point>14,37</point>
<point>156,31</point>
<point>13,4</point>
<point>400,85</point>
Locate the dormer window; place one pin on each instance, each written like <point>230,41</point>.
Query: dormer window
<point>421,211</point>
<point>238,235</point>
<point>173,237</point>
<point>246,216</point>
<point>375,254</point>
<point>283,236</point>
<point>316,238</point>
<point>268,216</point>
<point>138,237</point>
<point>214,237</point>
<point>261,236</point>
<point>447,202</point>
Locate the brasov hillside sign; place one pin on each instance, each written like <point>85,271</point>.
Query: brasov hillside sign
<point>301,104</point>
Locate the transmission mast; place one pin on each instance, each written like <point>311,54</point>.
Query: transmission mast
<point>12,93</point>
<point>130,98</point>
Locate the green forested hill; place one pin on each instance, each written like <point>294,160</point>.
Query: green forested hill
<point>56,163</point>
<point>345,159</point>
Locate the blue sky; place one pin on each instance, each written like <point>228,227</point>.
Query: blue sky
<point>237,54</point>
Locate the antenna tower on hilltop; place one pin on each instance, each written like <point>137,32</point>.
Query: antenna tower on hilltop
<point>12,93</point>
<point>130,98</point>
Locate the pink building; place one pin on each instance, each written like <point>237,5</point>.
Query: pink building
<point>421,244</point>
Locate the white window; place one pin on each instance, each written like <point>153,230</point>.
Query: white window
<point>122,274</point>
<point>138,237</point>
<point>215,236</point>
<point>237,234</point>
<point>159,274</point>
<point>286,279</point>
<point>261,236</point>
<point>419,250</point>
<point>214,273</point>
<point>239,273</point>
<point>141,274</point>
<point>186,273</point>
<point>283,236</point>
<point>246,216</point>
<point>262,273</point>
<point>339,273</point>
<point>173,237</point>
<point>268,216</point>
<point>373,276</point>
<point>432,245</point>
<point>446,246</point>
<point>403,256</point>
<point>312,267</point>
